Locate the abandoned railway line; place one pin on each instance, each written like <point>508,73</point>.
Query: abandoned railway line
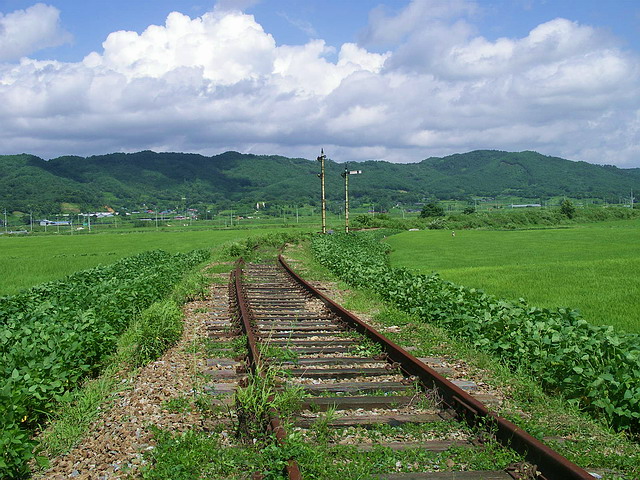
<point>357,381</point>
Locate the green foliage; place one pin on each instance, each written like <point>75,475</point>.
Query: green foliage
<point>158,327</point>
<point>567,208</point>
<point>256,402</point>
<point>57,333</point>
<point>194,286</point>
<point>432,209</point>
<point>592,366</point>
<point>258,246</point>
<point>193,454</point>
<point>469,211</point>
<point>121,179</point>
<point>511,219</point>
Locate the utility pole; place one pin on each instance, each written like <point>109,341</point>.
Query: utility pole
<point>321,159</point>
<point>5,221</point>
<point>345,175</point>
<point>632,198</point>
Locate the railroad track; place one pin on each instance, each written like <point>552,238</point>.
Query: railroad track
<point>355,379</point>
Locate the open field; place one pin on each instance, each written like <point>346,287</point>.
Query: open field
<point>28,261</point>
<point>592,268</point>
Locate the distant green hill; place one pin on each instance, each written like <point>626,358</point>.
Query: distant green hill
<point>163,179</point>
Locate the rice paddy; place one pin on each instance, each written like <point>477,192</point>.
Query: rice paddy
<point>28,261</point>
<point>591,268</point>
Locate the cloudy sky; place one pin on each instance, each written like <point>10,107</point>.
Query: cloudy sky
<point>396,80</point>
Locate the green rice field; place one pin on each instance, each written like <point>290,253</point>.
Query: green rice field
<point>28,261</point>
<point>592,268</point>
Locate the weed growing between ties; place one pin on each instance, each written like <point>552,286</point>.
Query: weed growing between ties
<point>259,400</point>
<point>196,454</point>
<point>278,353</point>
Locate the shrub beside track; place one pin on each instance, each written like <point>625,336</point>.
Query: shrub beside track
<point>55,334</point>
<point>589,365</point>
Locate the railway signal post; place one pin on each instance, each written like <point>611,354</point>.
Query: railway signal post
<point>321,159</point>
<point>345,175</point>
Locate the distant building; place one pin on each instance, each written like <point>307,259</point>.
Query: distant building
<point>526,205</point>
<point>55,223</point>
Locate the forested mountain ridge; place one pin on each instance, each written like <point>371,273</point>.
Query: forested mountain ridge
<point>231,178</point>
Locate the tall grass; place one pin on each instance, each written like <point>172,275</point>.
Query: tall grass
<point>592,268</point>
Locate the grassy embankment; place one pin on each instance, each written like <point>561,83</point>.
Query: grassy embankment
<point>28,261</point>
<point>592,268</point>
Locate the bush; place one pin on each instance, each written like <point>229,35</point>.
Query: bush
<point>567,208</point>
<point>432,209</point>
<point>592,366</point>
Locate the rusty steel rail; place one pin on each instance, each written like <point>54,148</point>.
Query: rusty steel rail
<point>275,426</point>
<point>552,465</point>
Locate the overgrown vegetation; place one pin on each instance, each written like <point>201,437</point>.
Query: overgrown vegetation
<point>432,209</point>
<point>260,399</point>
<point>511,219</point>
<point>54,335</point>
<point>260,247</point>
<point>549,417</point>
<point>591,366</point>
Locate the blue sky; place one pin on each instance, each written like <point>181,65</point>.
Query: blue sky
<point>336,21</point>
<point>392,80</point>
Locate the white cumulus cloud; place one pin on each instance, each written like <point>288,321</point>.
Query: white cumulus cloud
<point>220,81</point>
<point>26,31</point>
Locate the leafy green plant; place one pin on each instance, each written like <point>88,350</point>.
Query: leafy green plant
<point>321,427</point>
<point>55,334</point>
<point>567,208</point>
<point>365,348</point>
<point>278,353</point>
<point>593,366</point>
<point>432,209</point>
<point>178,404</point>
